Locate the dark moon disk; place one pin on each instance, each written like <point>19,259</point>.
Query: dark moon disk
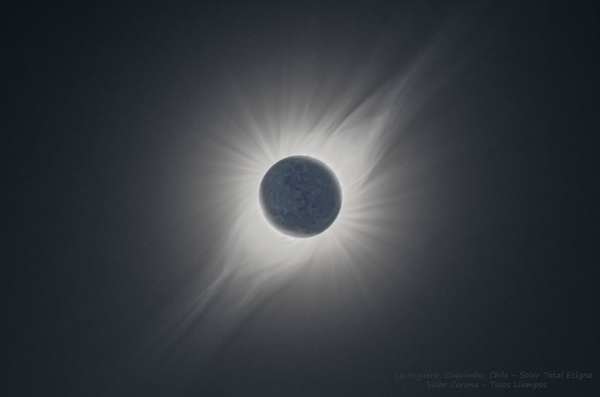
<point>300,196</point>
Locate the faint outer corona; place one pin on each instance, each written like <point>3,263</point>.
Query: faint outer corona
<point>300,196</point>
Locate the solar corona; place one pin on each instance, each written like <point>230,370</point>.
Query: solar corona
<point>298,183</point>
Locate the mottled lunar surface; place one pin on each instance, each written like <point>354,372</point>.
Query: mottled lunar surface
<point>300,196</point>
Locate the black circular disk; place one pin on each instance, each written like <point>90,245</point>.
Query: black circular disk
<point>300,196</point>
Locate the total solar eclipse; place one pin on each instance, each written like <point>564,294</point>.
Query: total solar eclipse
<point>300,196</point>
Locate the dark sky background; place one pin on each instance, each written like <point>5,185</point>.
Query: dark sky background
<point>103,107</point>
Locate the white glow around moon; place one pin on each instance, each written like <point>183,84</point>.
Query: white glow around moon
<point>353,128</point>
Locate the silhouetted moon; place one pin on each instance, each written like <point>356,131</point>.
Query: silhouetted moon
<point>300,196</point>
